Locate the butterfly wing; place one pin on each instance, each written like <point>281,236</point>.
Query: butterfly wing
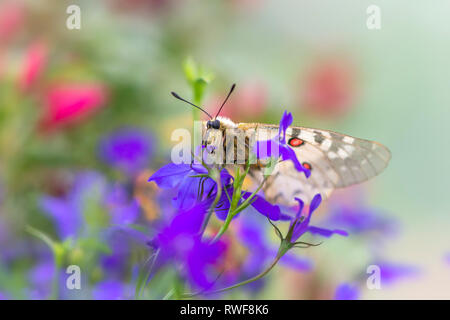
<point>335,161</point>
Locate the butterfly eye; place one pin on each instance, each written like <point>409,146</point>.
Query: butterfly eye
<point>215,124</point>
<point>296,142</point>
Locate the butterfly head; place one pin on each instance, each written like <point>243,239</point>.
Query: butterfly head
<point>215,131</point>
<point>216,126</point>
<point>213,124</point>
<point>220,123</point>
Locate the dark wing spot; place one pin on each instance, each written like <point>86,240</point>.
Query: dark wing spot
<point>318,137</point>
<point>295,132</point>
<point>336,136</point>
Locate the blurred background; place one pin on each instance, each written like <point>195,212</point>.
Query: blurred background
<point>74,101</point>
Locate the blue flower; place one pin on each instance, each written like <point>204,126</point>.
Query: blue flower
<point>40,277</point>
<point>122,209</point>
<point>191,189</point>
<point>361,220</point>
<point>260,251</point>
<point>67,211</point>
<point>300,224</point>
<point>277,146</point>
<point>347,291</point>
<point>109,290</point>
<point>447,258</point>
<point>251,235</point>
<point>391,273</point>
<point>180,244</point>
<point>127,149</point>
<point>262,206</point>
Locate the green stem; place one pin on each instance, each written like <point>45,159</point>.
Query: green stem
<point>58,257</point>
<point>169,294</point>
<point>224,227</point>
<point>257,277</point>
<point>234,211</point>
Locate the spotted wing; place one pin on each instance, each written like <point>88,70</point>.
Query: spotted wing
<point>335,161</point>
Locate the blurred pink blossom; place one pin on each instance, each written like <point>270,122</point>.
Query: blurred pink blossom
<point>247,102</point>
<point>12,17</point>
<point>329,88</point>
<point>2,64</point>
<point>34,63</point>
<point>69,103</point>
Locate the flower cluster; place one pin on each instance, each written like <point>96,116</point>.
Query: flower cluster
<point>201,189</point>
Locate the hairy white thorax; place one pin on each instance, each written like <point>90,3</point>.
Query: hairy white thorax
<point>226,123</point>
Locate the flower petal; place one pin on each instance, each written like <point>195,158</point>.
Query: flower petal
<point>296,262</point>
<point>301,205</point>
<point>287,153</point>
<point>347,291</point>
<point>266,149</point>
<point>315,203</point>
<point>285,122</point>
<point>170,175</point>
<point>326,232</point>
<point>264,207</point>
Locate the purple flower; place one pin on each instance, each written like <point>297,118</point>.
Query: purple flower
<point>109,290</point>
<point>41,276</point>
<point>190,189</point>
<point>277,146</point>
<point>361,220</point>
<point>260,252</point>
<point>391,273</point>
<point>115,264</point>
<point>252,235</point>
<point>127,149</point>
<point>122,209</point>
<point>347,291</point>
<point>193,190</point>
<point>180,244</point>
<point>67,212</point>
<point>300,224</point>
<point>447,258</point>
<point>273,212</point>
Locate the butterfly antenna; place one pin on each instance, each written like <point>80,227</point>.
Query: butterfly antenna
<point>180,98</point>
<point>229,93</point>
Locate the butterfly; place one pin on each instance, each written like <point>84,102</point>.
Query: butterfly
<point>334,160</point>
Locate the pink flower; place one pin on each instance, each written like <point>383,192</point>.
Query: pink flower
<point>69,103</point>
<point>248,102</point>
<point>329,88</point>
<point>12,16</point>
<point>34,64</point>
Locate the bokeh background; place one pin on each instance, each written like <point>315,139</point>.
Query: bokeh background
<point>65,95</point>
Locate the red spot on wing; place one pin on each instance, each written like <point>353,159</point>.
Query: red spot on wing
<point>296,142</point>
<point>306,165</point>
